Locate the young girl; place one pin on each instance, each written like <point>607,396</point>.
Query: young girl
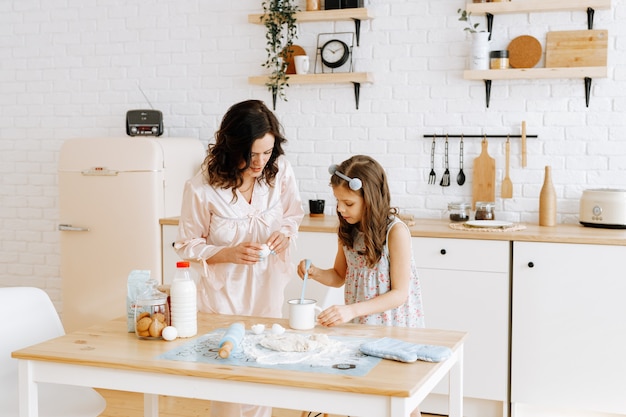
<point>374,259</point>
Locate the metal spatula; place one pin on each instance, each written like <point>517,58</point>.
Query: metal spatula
<point>445,179</point>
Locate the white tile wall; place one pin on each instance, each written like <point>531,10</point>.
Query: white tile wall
<point>71,68</point>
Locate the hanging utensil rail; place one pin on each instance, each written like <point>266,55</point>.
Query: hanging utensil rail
<point>443,136</point>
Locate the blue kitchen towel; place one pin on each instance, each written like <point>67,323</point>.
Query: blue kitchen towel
<point>402,351</point>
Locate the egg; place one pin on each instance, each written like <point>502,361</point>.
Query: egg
<point>265,251</point>
<point>258,328</point>
<point>169,333</point>
<point>277,329</point>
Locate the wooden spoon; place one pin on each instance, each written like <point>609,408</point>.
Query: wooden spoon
<point>507,184</point>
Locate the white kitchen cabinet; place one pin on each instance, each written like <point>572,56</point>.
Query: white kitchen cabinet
<point>568,329</point>
<point>168,254</point>
<point>465,287</point>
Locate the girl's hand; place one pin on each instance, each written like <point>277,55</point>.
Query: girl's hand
<point>278,242</point>
<point>335,315</point>
<point>301,270</point>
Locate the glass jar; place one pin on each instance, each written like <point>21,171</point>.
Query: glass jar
<point>499,59</point>
<point>484,211</point>
<point>459,212</point>
<point>152,313</point>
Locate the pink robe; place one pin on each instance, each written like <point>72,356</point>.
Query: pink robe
<point>210,221</point>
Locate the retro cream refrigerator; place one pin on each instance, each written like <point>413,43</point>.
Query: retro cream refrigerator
<point>112,193</point>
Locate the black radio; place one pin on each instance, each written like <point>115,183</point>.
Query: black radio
<point>144,123</point>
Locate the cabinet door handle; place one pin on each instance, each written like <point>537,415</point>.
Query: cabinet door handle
<point>442,251</point>
<point>70,228</point>
<point>531,265</point>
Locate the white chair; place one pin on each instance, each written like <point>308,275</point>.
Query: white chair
<point>28,318</point>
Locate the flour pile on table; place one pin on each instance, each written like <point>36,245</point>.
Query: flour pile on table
<point>286,348</point>
<point>291,342</point>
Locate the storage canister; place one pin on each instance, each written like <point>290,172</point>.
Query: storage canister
<point>152,312</point>
<point>459,212</point>
<point>484,210</point>
<point>499,59</point>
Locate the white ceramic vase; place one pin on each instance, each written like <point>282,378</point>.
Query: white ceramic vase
<point>479,56</point>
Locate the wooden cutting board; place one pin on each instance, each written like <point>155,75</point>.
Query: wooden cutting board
<point>288,56</point>
<point>484,177</point>
<point>524,52</point>
<point>576,48</point>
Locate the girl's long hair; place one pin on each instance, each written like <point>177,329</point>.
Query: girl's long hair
<point>377,210</point>
<point>242,124</point>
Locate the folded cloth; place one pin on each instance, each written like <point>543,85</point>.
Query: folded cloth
<point>402,351</point>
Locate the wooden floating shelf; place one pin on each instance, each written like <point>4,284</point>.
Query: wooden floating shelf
<point>586,73</point>
<point>356,78</point>
<point>323,15</point>
<point>343,77</point>
<point>536,6</point>
<point>535,73</point>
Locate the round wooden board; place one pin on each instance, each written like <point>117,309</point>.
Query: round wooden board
<point>293,51</point>
<point>524,52</point>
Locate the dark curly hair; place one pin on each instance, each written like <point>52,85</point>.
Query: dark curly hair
<point>242,124</point>
<point>377,210</point>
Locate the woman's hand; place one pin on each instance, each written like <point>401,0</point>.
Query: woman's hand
<point>336,315</point>
<point>278,242</point>
<point>247,253</point>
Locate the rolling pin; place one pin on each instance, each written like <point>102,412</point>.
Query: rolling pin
<point>231,339</point>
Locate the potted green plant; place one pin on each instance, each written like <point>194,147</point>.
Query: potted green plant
<point>280,22</point>
<point>479,56</point>
<point>465,16</point>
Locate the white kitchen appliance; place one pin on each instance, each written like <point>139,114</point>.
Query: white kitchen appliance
<point>112,193</point>
<point>603,207</point>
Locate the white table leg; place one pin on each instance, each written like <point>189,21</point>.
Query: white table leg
<point>150,405</point>
<point>398,408</point>
<point>27,391</point>
<point>455,398</point>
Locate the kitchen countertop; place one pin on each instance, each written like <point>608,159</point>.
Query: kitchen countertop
<point>563,233</point>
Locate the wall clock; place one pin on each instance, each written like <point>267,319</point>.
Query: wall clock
<point>335,52</point>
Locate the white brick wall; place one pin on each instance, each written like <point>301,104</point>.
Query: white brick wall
<point>71,69</point>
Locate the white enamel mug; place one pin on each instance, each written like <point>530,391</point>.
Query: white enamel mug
<point>302,64</point>
<point>303,316</point>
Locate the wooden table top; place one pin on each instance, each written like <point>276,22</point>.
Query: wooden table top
<point>562,233</point>
<point>110,346</point>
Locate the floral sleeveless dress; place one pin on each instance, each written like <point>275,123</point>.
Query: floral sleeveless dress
<point>364,283</point>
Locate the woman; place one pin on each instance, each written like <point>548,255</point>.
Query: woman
<point>244,196</point>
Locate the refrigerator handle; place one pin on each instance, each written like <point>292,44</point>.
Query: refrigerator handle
<point>70,228</point>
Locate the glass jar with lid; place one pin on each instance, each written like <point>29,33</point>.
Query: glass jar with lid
<point>485,210</point>
<point>459,212</point>
<point>152,313</point>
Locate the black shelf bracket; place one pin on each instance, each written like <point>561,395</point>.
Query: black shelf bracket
<point>587,90</point>
<point>487,91</point>
<point>357,93</point>
<point>357,30</point>
<point>590,13</point>
<point>489,24</point>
